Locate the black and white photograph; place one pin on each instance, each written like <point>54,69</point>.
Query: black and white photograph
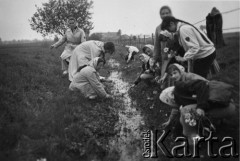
<point>119,80</point>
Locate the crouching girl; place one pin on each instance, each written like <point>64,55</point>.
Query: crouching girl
<point>148,71</point>
<point>198,99</point>
<point>177,73</point>
<point>87,80</point>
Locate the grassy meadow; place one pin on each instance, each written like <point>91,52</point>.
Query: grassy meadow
<point>41,118</point>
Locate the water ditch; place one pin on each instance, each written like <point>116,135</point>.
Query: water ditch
<point>128,141</point>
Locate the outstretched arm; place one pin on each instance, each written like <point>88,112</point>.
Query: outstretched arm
<point>60,42</point>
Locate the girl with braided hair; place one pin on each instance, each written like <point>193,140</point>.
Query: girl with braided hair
<point>196,44</point>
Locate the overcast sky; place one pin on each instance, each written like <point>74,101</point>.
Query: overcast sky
<point>131,16</point>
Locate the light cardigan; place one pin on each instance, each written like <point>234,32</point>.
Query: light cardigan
<point>83,54</point>
<point>72,38</point>
<point>88,82</point>
<point>194,45</point>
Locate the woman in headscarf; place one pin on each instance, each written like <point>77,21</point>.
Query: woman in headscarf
<point>85,52</point>
<point>214,23</point>
<point>87,80</point>
<point>148,49</point>
<point>131,52</point>
<point>177,73</point>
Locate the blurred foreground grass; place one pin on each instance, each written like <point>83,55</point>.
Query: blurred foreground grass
<point>40,117</point>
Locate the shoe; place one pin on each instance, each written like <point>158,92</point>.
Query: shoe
<point>65,72</point>
<point>92,97</point>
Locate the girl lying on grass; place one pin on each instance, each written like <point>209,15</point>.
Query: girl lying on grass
<point>87,80</point>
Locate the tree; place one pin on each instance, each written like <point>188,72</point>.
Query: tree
<point>52,17</point>
<point>0,41</point>
<point>95,36</point>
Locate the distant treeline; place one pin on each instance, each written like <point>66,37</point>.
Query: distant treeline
<point>25,41</point>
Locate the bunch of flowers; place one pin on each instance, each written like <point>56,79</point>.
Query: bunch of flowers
<point>191,118</point>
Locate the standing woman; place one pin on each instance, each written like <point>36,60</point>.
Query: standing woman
<point>159,45</point>
<point>73,36</point>
<point>196,44</point>
<point>86,52</point>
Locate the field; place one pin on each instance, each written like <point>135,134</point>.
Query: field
<point>41,118</point>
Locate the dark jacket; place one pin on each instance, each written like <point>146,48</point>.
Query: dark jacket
<point>214,25</point>
<point>204,91</point>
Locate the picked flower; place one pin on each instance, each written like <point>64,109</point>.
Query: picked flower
<point>193,122</point>
<point>166,50</point>
<point>187,120</point>
<point>187,116</point>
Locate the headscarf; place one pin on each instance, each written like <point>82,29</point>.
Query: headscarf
<point>145,57</point>
<point>151,47</point>
<point>180,67</point>
<point>214,11</point>
<point>100,44</point>
<point>166,34</point>
<point>167,97</point>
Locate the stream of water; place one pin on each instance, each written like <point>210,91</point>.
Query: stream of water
<point>128,140</point>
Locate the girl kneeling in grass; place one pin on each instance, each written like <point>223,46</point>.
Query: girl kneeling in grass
<point>87,80</point>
